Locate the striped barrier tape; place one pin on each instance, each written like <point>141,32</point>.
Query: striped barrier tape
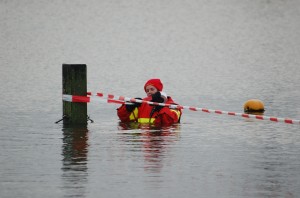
<point>110,98</point>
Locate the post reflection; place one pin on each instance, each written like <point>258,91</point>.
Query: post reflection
<point>154,142</point>
<point>74,167</point>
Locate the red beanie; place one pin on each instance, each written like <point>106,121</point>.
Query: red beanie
<point>154,82</point>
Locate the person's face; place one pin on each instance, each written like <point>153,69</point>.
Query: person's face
<point>150,90</point>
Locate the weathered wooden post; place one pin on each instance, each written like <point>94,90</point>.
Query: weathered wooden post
<point>74,83</point>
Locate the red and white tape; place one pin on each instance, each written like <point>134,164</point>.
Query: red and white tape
<point>110,98</point>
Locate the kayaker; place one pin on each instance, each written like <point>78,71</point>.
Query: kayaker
<point>153,114</point>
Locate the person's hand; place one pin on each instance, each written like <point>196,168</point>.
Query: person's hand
<point>157,98</point>
<point>132,106</point>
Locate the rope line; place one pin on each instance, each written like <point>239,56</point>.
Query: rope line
<point>110,98</point>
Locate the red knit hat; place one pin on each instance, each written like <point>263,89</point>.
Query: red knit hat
<point>154,82</point>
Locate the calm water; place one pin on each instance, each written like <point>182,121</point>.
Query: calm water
<point>213,54</point>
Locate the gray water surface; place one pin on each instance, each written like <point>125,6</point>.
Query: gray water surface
<point>212,54</point>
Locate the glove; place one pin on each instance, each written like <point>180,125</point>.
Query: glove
<point>157,97</point>
<point>157,108</point>
<point>131,107</point>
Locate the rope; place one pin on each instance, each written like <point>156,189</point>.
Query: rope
<point>110,98</point>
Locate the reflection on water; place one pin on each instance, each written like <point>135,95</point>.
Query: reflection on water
<point>152,141</point>
<point>74,151</point>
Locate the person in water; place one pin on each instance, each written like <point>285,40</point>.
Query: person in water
<point>153,114</point>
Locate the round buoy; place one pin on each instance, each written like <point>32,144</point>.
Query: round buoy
<point>254,106</point>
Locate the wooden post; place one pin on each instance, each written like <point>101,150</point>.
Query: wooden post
<point>74,83</point>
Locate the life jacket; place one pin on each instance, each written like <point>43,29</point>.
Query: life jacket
<point>148,114</point>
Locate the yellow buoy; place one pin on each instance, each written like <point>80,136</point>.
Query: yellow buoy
<point>254,106</point>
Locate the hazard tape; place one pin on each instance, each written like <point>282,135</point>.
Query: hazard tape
<point>110,98</point>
